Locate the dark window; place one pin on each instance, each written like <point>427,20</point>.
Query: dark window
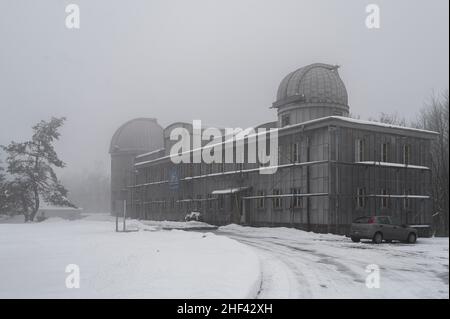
<point>285,120</point>
<point>261,199</point>
<point>361,197</point>
<point>359,150</point>
<point>221,201</point>
<point>361,220</point>
<point>384,152</point>
<point>406,154</point>
<point>296,201</point>
<point>384,220</point>
<point>210,201</point>
<point>406,200</point>
<point>276,199</point>
<point>199,202</point>
<point>384,198</point>
<point>295,153</point>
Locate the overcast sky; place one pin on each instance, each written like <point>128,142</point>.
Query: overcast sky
<point>219,61</point>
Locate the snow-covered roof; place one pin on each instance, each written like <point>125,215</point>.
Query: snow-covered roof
<point>357,121</point>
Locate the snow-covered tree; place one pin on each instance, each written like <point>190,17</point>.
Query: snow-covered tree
<point>30,165</point>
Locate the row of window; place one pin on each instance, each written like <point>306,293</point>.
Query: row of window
<point>277,199</point>
<point>261,198</point>
<point>293,155</point>
<point>384,152</point>
<point>361,198</point>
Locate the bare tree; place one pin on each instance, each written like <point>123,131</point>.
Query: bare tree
<point>434,117</point>
<point>393,119</point>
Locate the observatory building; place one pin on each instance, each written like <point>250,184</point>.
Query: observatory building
<point>331,168</point>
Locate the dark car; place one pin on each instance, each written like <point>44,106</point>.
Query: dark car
<point>379,228</point>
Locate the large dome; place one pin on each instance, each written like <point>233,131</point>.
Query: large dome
<point>138,136</point>
<point>316,83</point>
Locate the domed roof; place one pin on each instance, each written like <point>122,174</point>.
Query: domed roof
<point>315,83</point>
<point>138,135</point>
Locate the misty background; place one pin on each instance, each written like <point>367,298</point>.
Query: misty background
<point>219,61</point>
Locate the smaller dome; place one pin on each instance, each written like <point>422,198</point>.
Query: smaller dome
<point>139,135</point>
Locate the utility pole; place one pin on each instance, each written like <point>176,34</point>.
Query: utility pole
<point>124,213</point>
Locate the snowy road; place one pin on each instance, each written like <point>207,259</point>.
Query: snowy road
<point>297,264</point>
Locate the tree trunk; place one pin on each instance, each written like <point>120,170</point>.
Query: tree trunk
<point>36,204</point>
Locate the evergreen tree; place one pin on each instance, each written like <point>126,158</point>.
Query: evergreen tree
<point>31,166</point>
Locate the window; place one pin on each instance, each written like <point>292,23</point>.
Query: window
<point>384,152</point>
<point>285,120</point>
<point>406,200</point>
<point>261,199</point>
<point>295,157</point>
<point>362,220</point>
<point>296,200</point>
<point>361,198</point>
<point>221,201</point>
<point>276,199</point>
<point>384,220</point>
<point>210,201</point>
<point>359,150</point>
<point>406,154</point>
<point>199,202</point>
<point>384,199</point>
<point>280,154</point>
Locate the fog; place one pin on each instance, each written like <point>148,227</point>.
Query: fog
<point>217,61</point>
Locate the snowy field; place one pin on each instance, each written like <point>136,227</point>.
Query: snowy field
<point>148,263</point>
<point>298,264</point>
<point>230,262</point>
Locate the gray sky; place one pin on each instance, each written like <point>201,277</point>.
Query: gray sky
<point>216,60</point>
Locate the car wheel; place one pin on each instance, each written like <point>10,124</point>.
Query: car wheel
<point>412,238</point>
<point>355,239</point>
<point>377,238</point>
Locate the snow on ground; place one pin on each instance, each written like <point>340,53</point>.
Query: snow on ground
<point>191,225</point>
<point>161,225</point>
<point>298,264</point>
<point>148,263</point>
<point>154,262</point>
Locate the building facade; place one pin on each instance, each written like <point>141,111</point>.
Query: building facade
<point>331,168</point>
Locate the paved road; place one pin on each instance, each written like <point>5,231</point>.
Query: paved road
<point>297,264</point>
